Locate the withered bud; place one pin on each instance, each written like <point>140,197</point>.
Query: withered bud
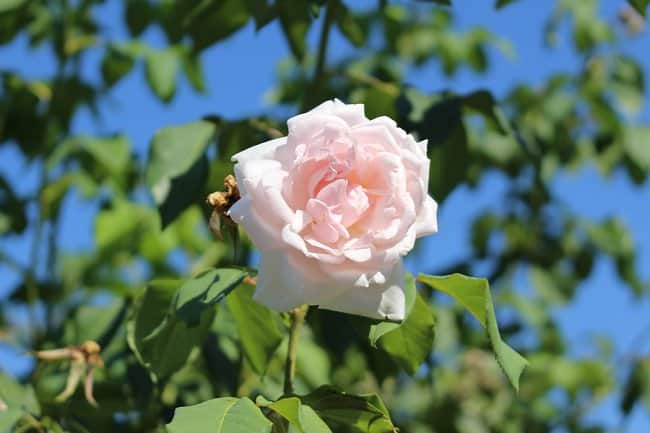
<point>83,361</point>
<point>631,19</point>
<point>221,201</point>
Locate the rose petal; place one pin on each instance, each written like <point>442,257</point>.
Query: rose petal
<point>278,287</point>
<point>427,220</point>
<point>264,150</point>
<point>265,236</point>
<point>379,301</point>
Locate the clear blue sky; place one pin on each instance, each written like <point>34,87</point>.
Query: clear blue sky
<point>240,71</point>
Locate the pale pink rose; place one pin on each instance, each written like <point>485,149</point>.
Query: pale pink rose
<point>333,207</point>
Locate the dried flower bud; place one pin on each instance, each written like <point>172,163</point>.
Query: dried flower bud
<point>221,201</point>
<point>84,359</point>
<point>631,19</point>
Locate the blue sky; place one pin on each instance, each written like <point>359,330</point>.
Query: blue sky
<point>241,71</point>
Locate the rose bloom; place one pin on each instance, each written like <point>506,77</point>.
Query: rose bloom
<point>333,207</point>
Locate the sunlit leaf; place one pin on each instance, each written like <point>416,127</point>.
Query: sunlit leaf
<point>474,294</point>
<point>161,67</point>
<point>220,415</point>
<point>171,318</point>
<point>177,168</point>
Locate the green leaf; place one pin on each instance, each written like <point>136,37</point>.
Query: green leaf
<point>295,21</point>
<point>161,68</point>
<point>12,208</point>
<point>641,6</point>
<point>628,84</point>
<point>474,294</point>
<point>483,102</point>
<point>116,63</point>
<point>256,326</point>
<point>193,70</point>
<point>637,386</point>
<point>635,143</point>
<point>91,322</point>
<point>8,5</point>
<point>116,227</point>
<point>111,154</point>
<point>16,400</point>
<point>363,413</point>
<point>169,321</point>
<point>303,417</point>
<point>408,342</point>
<point>53,193</point>
<point>439,118</point>
<point>138,14</point>
<point>349,26</point>
<point>503,3</point>
<point>212,21</point>
<point>177,168</point>
<point>220,415</point>
<point>412,342</point>
<point>382,328</point>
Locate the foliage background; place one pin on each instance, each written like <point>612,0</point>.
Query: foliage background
<point>554,211</point>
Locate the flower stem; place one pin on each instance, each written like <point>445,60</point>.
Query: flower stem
<point>313,92</point>
<point>297,316</point>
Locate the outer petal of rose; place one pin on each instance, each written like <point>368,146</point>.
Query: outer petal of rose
<point>427,220</point>
<point>278,285</point>
<point>353,114</point>
<point>378,301</point>
<point>265,192</point>
<point>264,235</point>
<point>250,173</point>
<point>261,151</point>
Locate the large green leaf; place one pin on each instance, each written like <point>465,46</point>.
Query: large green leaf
<point>177,168</point>
<point>161,71</point>
<point>410,342</point>
<point>220,415</point>
<point>302,417</point>
<point>212,21</point>
<point>171,319</point>
<point>363,413</point>
<point>256,326</point>
<point>474,294</point>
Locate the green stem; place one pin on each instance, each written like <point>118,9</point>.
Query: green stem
<point>312,94</point>
<point>297,316</point>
